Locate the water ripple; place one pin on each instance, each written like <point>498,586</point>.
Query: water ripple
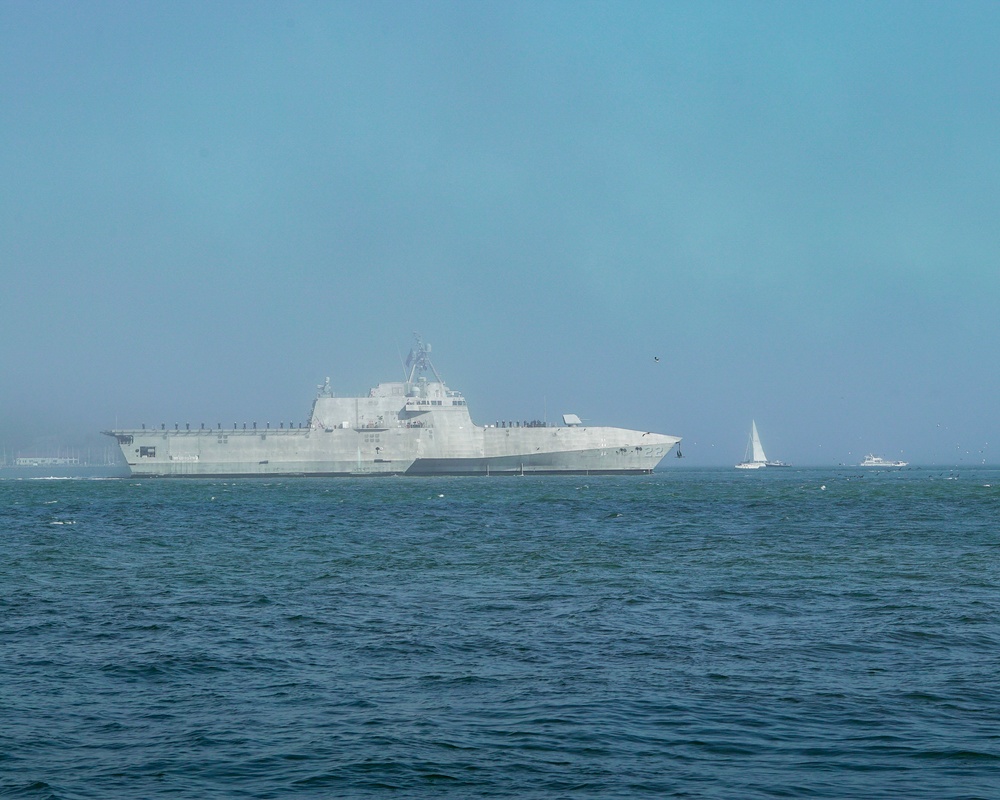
<point>691,634</point>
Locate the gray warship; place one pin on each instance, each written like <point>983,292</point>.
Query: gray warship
<point>417,426</point>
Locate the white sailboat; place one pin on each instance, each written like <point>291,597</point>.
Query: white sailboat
<point>754,457</point>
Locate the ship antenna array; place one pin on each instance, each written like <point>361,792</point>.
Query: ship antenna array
<point>419,360</point>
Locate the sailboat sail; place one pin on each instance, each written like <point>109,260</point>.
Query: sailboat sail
<point>758,449</point>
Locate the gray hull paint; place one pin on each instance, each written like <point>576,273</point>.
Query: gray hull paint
<point>235,453</point>
<point>413,427</point>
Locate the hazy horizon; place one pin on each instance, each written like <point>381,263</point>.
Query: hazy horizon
<point>210,208</point>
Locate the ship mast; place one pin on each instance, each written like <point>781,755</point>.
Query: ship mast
<point>419,360</point>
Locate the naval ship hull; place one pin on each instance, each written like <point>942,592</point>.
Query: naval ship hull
<point>411,427</point>
<point>492,451</point>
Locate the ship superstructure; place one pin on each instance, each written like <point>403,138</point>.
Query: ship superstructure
<point>417,426</point>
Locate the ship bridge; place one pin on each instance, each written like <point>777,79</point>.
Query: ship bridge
<point>415,402</point>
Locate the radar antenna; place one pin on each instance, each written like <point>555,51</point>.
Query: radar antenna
<point>419,360</point>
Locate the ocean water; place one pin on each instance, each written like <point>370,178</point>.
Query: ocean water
<point>695,633</point>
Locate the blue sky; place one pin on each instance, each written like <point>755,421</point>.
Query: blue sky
<point>210,207</point>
